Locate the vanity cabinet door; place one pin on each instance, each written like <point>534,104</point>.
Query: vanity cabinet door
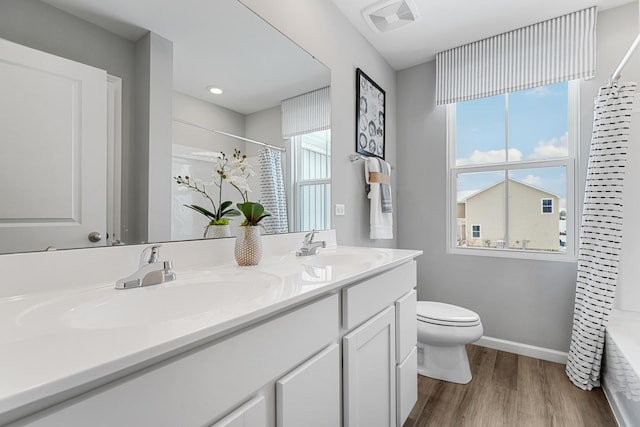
<point>370,373</point>
<point>310,395</point>
<point>251,414</point>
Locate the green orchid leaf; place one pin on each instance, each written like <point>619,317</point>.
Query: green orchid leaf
<point>253,212</point>
<point>202,210</point>
<point>230,212</point>
<point>225,205</point>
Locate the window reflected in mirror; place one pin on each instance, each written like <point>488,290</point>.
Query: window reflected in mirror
<point>312,180</point>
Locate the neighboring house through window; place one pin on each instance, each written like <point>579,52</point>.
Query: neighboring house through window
<point>512,164</point>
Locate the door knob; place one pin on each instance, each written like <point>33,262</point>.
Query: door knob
<point>95,236</point>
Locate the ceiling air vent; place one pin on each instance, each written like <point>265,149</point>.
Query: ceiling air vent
<point>390,15</point>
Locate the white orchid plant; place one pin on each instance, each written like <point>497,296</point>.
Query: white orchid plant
<point>221,210</point>
<point>238,176</point>
<point>235,171</point>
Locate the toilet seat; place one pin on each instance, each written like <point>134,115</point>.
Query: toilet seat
<point>438,313</point>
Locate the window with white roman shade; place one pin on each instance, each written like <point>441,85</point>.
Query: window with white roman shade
<point>552,51</point>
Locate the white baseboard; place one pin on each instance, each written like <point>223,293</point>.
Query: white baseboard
<point>523,349</point>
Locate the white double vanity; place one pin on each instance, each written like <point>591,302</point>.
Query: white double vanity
<point>322,340</point>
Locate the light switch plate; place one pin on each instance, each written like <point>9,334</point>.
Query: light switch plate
<point>339,209</point>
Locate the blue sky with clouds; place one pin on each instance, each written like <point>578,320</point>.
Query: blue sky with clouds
<point>538,125</point>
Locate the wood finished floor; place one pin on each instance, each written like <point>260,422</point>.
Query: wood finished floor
<point>509,390</point>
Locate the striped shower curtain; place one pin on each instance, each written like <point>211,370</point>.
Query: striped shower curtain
<point>600,233</point>
<point>272,188</point>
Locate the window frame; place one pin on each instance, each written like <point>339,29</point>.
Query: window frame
<point>571,163</point>
<point>479,231</point>
<point>542,206</point>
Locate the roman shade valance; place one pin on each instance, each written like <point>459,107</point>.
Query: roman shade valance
<point>310,112</point>
<point>552,51</point>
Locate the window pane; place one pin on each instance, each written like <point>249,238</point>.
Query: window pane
<point>539,123</point>
<point>480,209</point>
<point>537,209</point>
<point>315,207</point>
<point>315,155</point>
<point>312,186</point>
<point>480,131</point>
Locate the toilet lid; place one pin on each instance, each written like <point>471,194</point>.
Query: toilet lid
<point>447,314</point>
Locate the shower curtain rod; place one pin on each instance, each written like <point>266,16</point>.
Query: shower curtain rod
<point>253,141</point>
<point>616,74</point>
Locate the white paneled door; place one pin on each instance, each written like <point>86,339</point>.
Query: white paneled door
<point>53,130</point>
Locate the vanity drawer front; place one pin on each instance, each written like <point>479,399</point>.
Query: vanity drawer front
<point>407,391</point>
<point>364,300</point>
<point>204,384</point>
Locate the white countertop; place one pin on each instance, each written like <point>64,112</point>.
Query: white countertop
<point>57,344</point>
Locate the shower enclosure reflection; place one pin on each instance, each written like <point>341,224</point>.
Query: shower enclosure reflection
<point>292,177</point>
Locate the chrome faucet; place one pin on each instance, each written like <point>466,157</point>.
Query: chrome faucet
<point>309,247</point>
<point>151,271</point>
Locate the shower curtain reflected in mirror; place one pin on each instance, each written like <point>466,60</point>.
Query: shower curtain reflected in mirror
<point>273,196</point>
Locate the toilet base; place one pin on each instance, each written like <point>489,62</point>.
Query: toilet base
<point>448,363</point>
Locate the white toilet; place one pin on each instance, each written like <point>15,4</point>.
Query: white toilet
<point>443,331</point>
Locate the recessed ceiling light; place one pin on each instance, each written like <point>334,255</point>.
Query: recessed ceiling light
<point>389,15</point>
<point>214,90</point>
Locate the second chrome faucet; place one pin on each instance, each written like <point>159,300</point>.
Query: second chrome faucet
<point>151,271</point>
<point>309,247</point>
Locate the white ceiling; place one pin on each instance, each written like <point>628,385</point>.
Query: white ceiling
<point>445,24</point>
<point>215,42</point>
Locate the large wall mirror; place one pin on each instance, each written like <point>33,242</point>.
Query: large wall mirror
<point>105,103</point>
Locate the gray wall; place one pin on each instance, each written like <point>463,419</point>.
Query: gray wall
<point>523,301</point>
<point>154,111</point>
<point>321,29</point>
<point>208,115</point>
<point>264,126</point>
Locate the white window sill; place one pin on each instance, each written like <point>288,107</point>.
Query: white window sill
<point>514,253</point>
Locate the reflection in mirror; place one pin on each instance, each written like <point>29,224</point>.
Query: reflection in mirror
<point>63,185</point>
<point>210,184</point>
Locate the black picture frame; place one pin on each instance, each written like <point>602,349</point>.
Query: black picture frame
<point>370,116</point>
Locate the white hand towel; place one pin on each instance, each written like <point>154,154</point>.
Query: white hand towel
<point>381,224</point>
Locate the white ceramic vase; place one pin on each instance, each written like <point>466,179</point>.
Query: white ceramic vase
<point>218,231</point>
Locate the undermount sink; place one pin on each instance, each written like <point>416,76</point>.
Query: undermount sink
<point>195,293</point>
<point>355,258</point>
<point>107,308</point>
